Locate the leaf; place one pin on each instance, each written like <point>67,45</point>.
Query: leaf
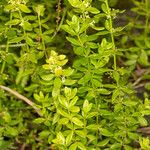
<point>86,106</point>
<point>29,41</point>
<point>107,25</point>
<point>85,79</point>
<point>44,134</point>
<point>73,146</point>
<point>74,109</point>
<point>81,133</point>
<point>103,91</point>
<point>27,26</point>
<point>77,121</point>
<point>73,101</point>
<point>75,3</point>
<point>63,113</point>
<point>93,10</point>
<point>16,40</point>
<point>69,138</point>
<point>105,132</point>
<point>12,22</point>
<point>68,29</point>
<point>24,8</point>
<point>11,131</point>
<point>116,75</point>
<point>63,121</point>
<point>104,8</point>
<point>56,88</point>
<point>69,82</point>
<point>143,59</point>
<point>81,146</point>
<point>39,120</point>
<point>92,127</point>
<point>142,121</point>
<point>147,86</point>
<point>73,41</point>
<point>47,77</point>
<point>133,136</point>
<point>68,72</point>
<point>103,142</point>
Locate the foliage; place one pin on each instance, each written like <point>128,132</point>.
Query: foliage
<point>79,82</point>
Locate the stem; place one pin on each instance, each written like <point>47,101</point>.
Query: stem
<point>61,22</point>
<point>111,34</point>
<point>147,17</point>
<point>29,102</point>
<point>41,33</point>
<point>24,32</point>
<point>7,49</point>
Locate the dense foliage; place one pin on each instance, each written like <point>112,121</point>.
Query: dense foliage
<point>74,74</point>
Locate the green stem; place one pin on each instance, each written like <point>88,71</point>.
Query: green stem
<point>111,34</point>
<point>41,33</point>
<point>24,32</point>
<point>147,17</point>
<point>7,49</point>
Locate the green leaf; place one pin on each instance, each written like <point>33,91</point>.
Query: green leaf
<point>116,75</point>
<point>63,121</point>
<point>73,41</point>
<point>27,26</point>
<point>143,59</point>
<point>74,109</point>
<point>77,121</point>
<point>56,88</point>
<point>103,142</point>
<point>69,138</point>
<point>12,22</point>
<point>47,77</point>
<point>107,25</point>
<point>24,8</point>
<point>92,127</point>
<point>147,86</point>
<point>68,72</point>
<point>16,40</point>
<point>44,134</point>
<point>105,132</point>
<point>142,121</point>
<point>63,113</point>
<point>11,131</point>
<point>104,8</point>
<point>39,120</point>
<point>86,106</point>
<point>29,41</point>
<point>69,82</point>
<point>93,10</point>
<point>104,91</point>
<point>81,133</point>
<point>81,146</point>
<point>133,136</point>
<point>75,3</point>
<point>9,7</point>
<point>85,79</point>
<point>73,146</point>
<point>68,29</point>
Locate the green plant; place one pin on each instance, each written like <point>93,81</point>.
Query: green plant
<point>81,99</point>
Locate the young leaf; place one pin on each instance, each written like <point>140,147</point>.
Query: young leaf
<point>77,121</point>
<point>24,8</point>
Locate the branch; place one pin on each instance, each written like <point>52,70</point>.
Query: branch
<point>19,96</point>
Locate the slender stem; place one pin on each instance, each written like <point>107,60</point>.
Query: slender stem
<point>7,49</point>
<point>111,34</point>
<point>41,33</point>
<point>29,102</point>
<point>61,22</point>
<point>24,32</point>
